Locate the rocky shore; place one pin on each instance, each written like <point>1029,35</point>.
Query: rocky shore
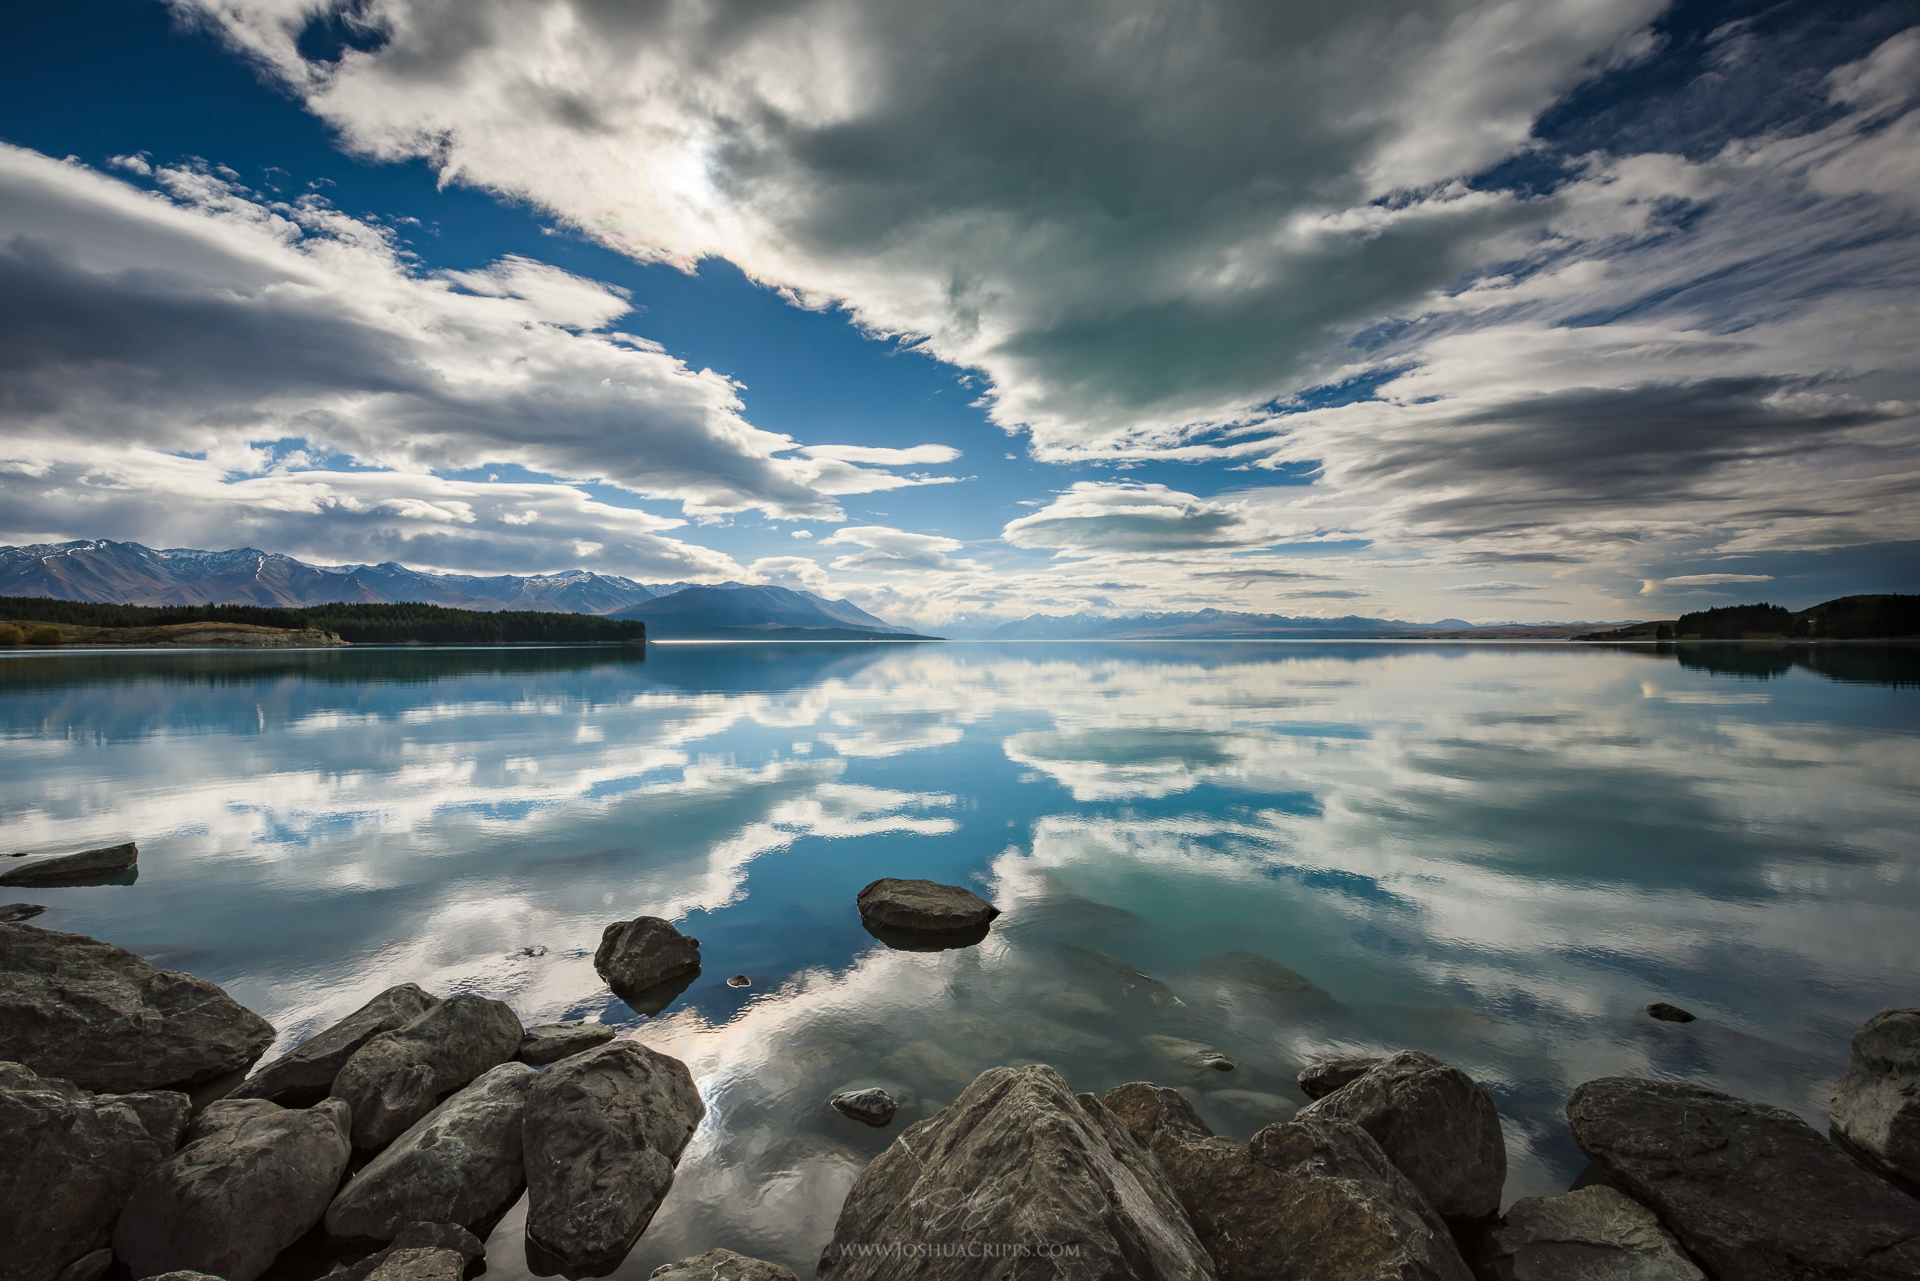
<point>401,1135</point>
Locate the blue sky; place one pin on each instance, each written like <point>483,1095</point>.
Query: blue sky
<point>1591,310</point>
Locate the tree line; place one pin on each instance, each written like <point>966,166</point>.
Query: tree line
<point>360,624</point>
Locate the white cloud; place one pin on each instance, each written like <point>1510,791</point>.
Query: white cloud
<point>883,457</point>
<point>1131,223</point>
<point>209,320</point>
<point>1101,516</point>
<point>884,548</point>
<point>788,571</point>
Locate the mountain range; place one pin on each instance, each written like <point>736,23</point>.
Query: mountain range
<point>132,574</point>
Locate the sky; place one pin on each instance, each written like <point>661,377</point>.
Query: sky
<point>1578,309</point>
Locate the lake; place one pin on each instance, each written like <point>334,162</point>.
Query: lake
<point>1498,854</point>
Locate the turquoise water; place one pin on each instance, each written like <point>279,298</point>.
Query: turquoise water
<point>1495,853</point>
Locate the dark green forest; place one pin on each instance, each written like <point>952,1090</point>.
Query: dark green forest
<point>359,624</point>
<point>1847,618</point>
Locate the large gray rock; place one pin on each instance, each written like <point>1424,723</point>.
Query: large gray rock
<point>420,1263</point>
<point>1752,1191</point>
<point>304,1075</point>
<point>923,907</point>
<point>415,1236</point>
<point>1594,1234</point>
<point>551,1042</point>
<point>1876,1106</point>
<point>68,1161</point>
<point>461,1164</point>
<point>97,1015</point>
<point>1435,1124</point>
<point>224,1114</point>
<point>1017,1160</point>
<point>721,1265</point>
<point>20,911</point>
<point>61,869</point>
<point>229,1203</point>
<point>397,1077</point>
<point>1305,1201</point>
<point>604,1131</point>
<point>644,953</point>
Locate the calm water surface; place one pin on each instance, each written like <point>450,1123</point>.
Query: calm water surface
<point>1496,854</point>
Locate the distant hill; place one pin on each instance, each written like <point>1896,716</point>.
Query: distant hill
<point>357,624</point>
<point>132,574</point>
<point>1215,624</point>
<point>773,613</point>
<point>1869,617</point>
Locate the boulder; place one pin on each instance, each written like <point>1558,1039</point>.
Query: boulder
<point>1595,1234</point>
<point>721,1265</point>
<point>445,1236</point>
<point>1305,1201</point>
<point>1323,1078</point>
<point>1436,1125</point>
<point>644,953</point>
<point>1876,1106</point>
<point>70,1160</point>
<point>604,1132</point>
<point>62,869</point>
<point>303,1075</point>
<point>872,1106</point>
<point>20,911</point>
<point>1753,1192</point>
<point>460,1164</point>
<point>923,907</point>
<point>229,1203</point>
<point>396,1077</point>
<point>97,1015</point>
<point>184,1276</point>
<point>1018,1163</point>
<point>551,1042</point>
<point>421,1263</point>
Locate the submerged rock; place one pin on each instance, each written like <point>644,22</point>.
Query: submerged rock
<point>97,1015</point>
<point>1188,1054</point>
<point>872,1106</point>
<point>1595,1234</point>
<point>1017,1160</point>
<point>1876,1105</point>
<point>230,1202</point>
<point>551,1042</point>
<point>721,1265</point>
<point>396,1077</point>
<point>604,1131</point>
<point>1752,1191</point>
<point>61,869</point>
<point>461,1164</point>
<point>637,956</point>
<point>1323,1078</point>
<point>1303,1201</point>
<point>1436,1125</point>
<point>305,1074</point>
<point>923,907</point>
<point>70,1161</point>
